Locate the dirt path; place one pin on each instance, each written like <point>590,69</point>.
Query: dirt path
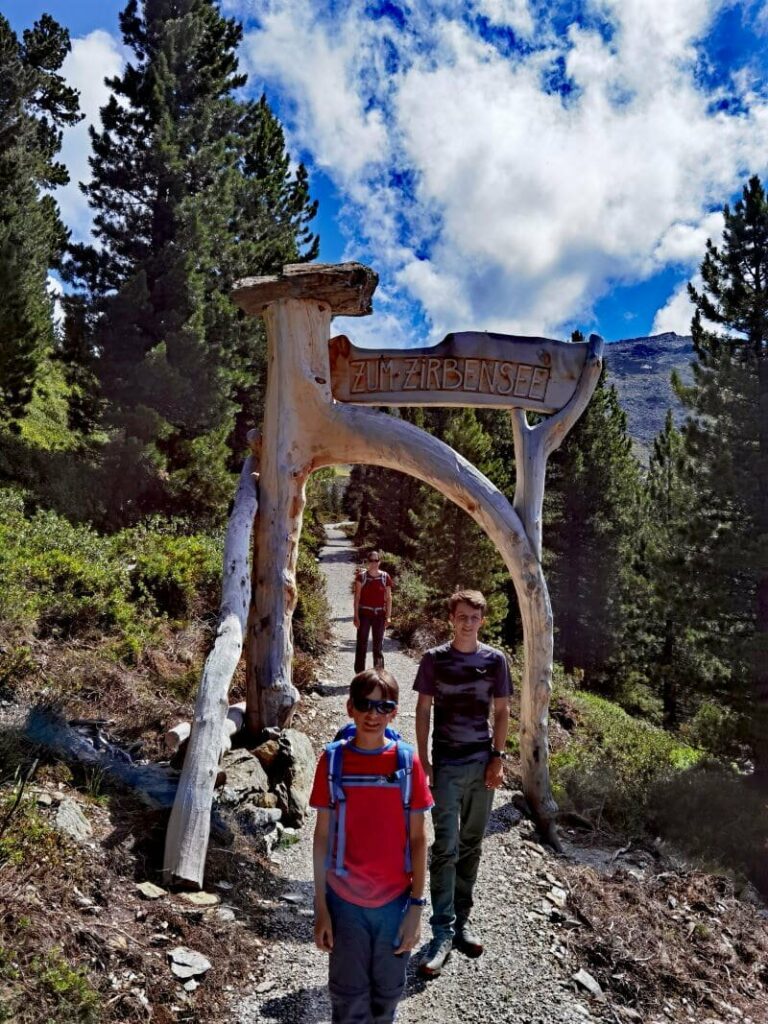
<point>519,979</point>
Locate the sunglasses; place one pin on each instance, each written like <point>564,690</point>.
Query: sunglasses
<point>381,707</point>
<point>374,559</point>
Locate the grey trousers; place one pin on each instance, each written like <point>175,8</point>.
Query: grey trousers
<point>365,978</point>
<point>460,816</point>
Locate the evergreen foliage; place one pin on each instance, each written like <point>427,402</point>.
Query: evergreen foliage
<point>35,104</point>
<point>670,646</point>
<point>727,441</point>
<point>592,515</point>
<point>191,190</point>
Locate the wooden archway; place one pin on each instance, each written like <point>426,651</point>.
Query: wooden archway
<point>305,429</point>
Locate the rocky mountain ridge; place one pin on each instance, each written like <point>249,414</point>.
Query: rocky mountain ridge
<point>641,368</point>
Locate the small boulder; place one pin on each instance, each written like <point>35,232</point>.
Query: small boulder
<point>258,819</point>
<point>245,776</point>
<point>72,822</point>
<point>585,979</point>
<point>298,778</point>
<point>150,891</point>
<point>188,963</point>
<point>267,752</point>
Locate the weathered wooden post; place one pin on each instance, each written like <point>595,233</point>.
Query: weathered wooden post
<point>297,309</point>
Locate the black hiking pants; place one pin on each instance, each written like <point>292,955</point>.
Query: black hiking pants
<point>372,622</point>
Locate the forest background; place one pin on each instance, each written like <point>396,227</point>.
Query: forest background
<point>124,412</point>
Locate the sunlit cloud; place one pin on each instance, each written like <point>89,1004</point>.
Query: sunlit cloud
<point>510,186</point>
<point>92,58</point>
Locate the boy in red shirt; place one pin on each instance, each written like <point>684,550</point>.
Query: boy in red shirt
<point>367,903</point>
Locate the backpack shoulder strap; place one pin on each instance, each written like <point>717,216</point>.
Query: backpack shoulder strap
<point>337,832</point>
<point>405,754</point>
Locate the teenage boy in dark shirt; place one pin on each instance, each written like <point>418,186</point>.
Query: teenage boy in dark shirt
<point>464,682</point>
<point>368,915</point>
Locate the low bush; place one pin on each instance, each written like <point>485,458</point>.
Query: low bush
<point>312,618</point>
<point>610,767</point>
<point>67,581</point>
<point>409,605</point>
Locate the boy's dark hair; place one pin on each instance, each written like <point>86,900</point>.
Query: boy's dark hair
<point>365,682</point>
<point>471,597</point>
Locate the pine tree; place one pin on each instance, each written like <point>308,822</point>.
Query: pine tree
<point>671,646</point>
<point>35,104</point>
<point>191,189</point>
<point>451,548</point>
<point>592,515</point>
<point>727,438</point>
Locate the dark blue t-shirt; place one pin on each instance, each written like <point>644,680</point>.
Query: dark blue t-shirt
<point>463,687</point>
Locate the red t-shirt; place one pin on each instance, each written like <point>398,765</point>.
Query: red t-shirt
<point>375,828</point>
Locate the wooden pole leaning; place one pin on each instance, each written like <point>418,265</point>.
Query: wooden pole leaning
<point>186,841</point>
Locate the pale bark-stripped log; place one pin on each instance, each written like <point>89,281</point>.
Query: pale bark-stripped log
<point>186,842</point>
<point>297,362</point>
<point>233,723</point>
<point>533,446</point>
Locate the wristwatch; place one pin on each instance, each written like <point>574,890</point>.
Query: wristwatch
<point>499,753</point>
<point>418,901</point>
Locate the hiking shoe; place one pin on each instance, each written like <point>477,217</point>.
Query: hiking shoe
<point>466,941</point>
<point>438,952</point>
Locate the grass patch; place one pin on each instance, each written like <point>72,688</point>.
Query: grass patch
<point>613,763</point>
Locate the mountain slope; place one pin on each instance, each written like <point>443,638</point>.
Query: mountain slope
<point>640,368</point>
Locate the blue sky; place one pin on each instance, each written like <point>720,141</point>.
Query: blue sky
<point>509,165</point>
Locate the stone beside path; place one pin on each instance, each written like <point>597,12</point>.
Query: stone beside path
<point>518,980</point>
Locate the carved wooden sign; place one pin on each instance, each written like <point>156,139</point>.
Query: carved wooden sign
<point>468,369</point>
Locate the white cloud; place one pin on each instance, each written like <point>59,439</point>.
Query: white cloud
<point>685,243</point>
<point>92,58</point>
<point>513,13</point>
<point>319,72</point>
<point>56,290</point>
<point>677,314</point>
<point>493,199</point>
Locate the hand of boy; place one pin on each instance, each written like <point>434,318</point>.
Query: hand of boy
<point>410,933</point>
<point>323,930</point>
<point>494,774</point>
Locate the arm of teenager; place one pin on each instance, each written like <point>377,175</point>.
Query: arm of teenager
<point>423,716</point>
<point>323,927</point>
<point>410,931</point>
<point>494,773</point>
<point>356,603</point>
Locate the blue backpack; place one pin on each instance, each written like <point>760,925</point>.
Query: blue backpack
<point>402,777</point>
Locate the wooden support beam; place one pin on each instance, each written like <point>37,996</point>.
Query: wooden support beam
<point>186,842</point>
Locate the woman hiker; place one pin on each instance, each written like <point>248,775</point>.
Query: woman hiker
<point>372,610</point>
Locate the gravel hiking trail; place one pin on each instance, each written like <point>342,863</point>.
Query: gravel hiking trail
<point>520,978</point>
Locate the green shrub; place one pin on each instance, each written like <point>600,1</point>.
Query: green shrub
<point>312,618</point>
<point>172,574</point>
<point>27,834</point>
<point>718,730</point>
<point>409,604</point>
<point>70,995</point>
<point>612,764</point>
<point>64,580</point>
